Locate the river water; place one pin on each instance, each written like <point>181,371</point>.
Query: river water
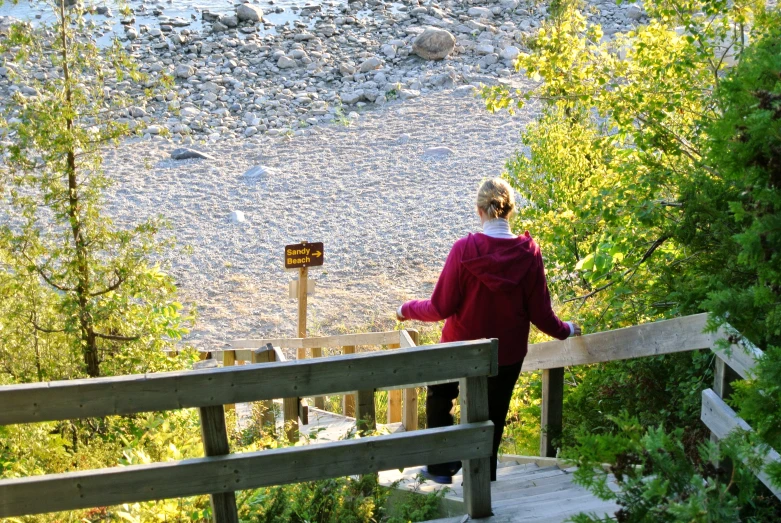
<point>153,13</point>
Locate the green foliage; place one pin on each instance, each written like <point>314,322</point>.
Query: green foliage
<point>663,390</point>
<point>75,285</point>
<point>652,181</point>
<point>657,483</point>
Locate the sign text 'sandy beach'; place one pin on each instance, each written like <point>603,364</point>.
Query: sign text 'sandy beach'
<point>303,255</point>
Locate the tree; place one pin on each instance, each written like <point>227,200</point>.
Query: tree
<point>73,277</point>
<point>653,181</point>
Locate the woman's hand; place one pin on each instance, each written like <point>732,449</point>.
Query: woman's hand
<point>399,317</point>
<point>576,329</point>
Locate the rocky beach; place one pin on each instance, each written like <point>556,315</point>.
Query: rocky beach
<point>353,124</point>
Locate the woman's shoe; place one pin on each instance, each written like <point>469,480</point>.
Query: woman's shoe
<point>442,479</point>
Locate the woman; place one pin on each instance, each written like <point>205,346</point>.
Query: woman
<point>492,286</point>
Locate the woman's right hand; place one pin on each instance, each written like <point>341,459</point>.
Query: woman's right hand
<point>576,331</point>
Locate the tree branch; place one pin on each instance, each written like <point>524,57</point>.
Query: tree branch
<point>113,287</point>
<point>658,243</point>
<point>113,337</point>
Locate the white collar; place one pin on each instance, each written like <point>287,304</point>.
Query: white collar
<point>498,228</point>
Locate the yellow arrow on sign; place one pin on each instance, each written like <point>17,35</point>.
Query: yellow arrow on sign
<point>317,254</point>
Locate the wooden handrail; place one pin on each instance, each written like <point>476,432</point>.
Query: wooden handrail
<point>105,487</point>
<point>96,397</point>
<point>649,339</point>
<point>721,420</point>
<point>341,340</point>
<point>221,473</point>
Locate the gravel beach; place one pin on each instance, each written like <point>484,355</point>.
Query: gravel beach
<point>388,194</point>
<point>355,124</point>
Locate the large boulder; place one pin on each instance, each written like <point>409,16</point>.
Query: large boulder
<point>249,13</point>
<point>433,44</point>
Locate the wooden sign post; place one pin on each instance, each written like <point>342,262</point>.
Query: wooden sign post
<point>301,256</point>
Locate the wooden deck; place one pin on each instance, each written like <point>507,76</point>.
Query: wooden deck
<point>522,492</point>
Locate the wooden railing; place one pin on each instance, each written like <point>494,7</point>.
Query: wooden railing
<point>221,473</point>
<point>650,339</point>
<point>402,403</point>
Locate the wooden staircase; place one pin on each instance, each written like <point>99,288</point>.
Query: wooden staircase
<point>521,492</point>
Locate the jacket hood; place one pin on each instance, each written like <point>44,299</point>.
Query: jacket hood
<point>505,262</point>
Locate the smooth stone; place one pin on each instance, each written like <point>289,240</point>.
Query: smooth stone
<point>187,154</point>
<point>370,64</point>
<point>237,217</point>
<point>438,152</point>
<point>480,12</point>
<point>286,63</point>
<point>249,13</point>
<point>433,44</point>
<point>184,71</point>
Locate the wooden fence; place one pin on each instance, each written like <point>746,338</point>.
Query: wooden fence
<point>650,339</point>
<point>221,473</point>
<point>402,403</point>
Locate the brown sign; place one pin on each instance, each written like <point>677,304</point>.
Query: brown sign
<point>303,255</point>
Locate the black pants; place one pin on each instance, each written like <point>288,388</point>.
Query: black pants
<point>439,404</point>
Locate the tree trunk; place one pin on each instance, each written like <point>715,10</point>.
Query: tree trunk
<point>88,339</point>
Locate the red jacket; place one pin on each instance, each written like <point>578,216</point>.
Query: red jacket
<point>492,288</point>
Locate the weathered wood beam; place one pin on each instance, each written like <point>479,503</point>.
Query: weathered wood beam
<point>552,410</point>
<point>363,338</point>
<point>722,420</point>
<point>477,471</point>
<point>650,339</point>
<point>192,477</point>
<point>30,403</point>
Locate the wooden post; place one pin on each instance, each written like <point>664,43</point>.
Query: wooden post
<point>228,360</point>
<point>365,415</point>
<point>348,401</point>
<point>266,355</point>
<point>723,376</point>
<point>409,406</point>
<point>303,274</point>
<point>317,352</point>
<point>552,408</point>
<point>394,399</point>
<point>477,472</point>
<point>290,408</point>
<point>215,443</point>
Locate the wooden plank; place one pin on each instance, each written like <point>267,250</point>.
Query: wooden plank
<point>94,397</point>
<point>317,352</point>
<point>290,411</point>
<point>552,410</point>
<point>394,398</point>
<point>741,355</point>
<point>215,443</point>
<point>229,359</point>
<point>477,472</point>
<point>348,400</point>
<point>365,415</point>
<point>409,407</point>
<point>408,338</point>
<point>722,420</point>
<point>114,486</point>
<point>651,339</point>
<point>362,338</point>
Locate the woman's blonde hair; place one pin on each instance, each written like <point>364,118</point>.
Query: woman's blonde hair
<point>496,199</point>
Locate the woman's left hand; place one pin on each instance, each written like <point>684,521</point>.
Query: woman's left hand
<point>399,317</point>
